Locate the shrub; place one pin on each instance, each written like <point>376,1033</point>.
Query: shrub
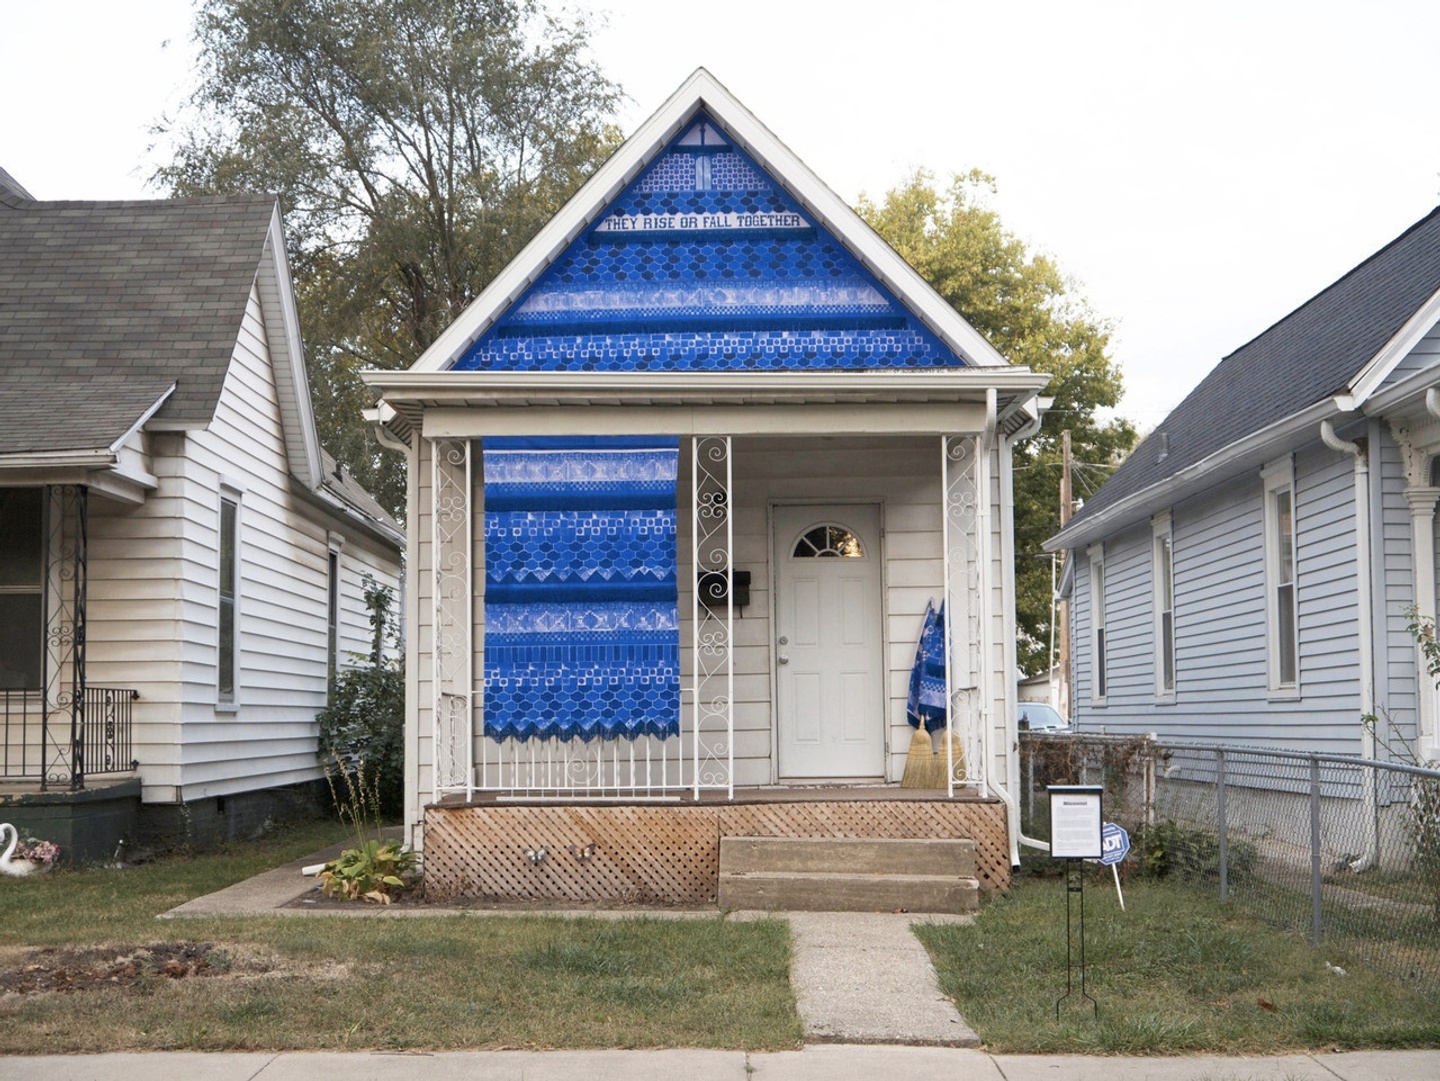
<point>363,728</point>
<point>1169,850</point>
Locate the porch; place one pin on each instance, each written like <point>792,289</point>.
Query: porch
<point>493,849</point>
<point>60,741</point>
<point>56,729</point>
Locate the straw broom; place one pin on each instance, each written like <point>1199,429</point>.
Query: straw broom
<point>923,767</point>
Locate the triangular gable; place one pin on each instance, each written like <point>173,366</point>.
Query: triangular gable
<point>705,263</point>
<point>883,286</point>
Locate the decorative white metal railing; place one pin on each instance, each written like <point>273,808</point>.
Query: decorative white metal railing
<point>453,594</point>
<point>962,462</point>
<point>713,548</point>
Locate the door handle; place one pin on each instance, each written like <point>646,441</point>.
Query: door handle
<point>783,658</point>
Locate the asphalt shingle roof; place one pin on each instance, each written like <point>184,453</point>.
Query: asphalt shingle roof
<point>97,411</point>
<point>1311,354</point>
<point>151,292</point>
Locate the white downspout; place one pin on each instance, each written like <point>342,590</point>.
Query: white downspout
<point>1031,427</point>
<point>1364,612</point>
<point>1002,791</point>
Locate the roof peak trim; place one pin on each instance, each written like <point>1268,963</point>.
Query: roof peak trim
<point>702,92</point>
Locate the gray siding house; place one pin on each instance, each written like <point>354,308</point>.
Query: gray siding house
<point>181,564</point>
<point>1245,575</point>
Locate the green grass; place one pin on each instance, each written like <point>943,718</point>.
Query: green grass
<point>1177,973</point>
<point>317,983</point>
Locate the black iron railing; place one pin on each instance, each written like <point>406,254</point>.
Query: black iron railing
<point>56,745</point>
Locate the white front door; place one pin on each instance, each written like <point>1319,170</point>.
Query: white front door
<point>830,711</point>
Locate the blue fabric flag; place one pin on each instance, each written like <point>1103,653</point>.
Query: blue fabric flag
<point>926,707</point>
<point>582,631</point>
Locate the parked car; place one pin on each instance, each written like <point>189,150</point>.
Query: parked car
<point>1038,717</point>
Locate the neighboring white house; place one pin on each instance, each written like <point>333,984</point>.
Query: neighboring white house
<point>707,343</point>
<point>1245,575</point>
<point>180,562</point>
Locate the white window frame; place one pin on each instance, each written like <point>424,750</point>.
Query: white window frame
<point>1279,479</point>
<point>1099,670</point>
<point>232,494</point>
<point>1162,562</point>
<point>334,605</point>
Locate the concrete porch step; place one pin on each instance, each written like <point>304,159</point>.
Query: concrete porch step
<point>818,874</point>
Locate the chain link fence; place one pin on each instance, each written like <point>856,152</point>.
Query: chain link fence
<point>1345,850</point>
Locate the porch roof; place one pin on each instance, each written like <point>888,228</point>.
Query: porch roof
<point>100,412</point>
<point>684,402</point>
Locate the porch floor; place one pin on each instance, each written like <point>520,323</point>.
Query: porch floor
<point>758,794</point>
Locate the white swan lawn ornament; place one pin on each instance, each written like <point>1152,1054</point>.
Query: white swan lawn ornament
<point>20,866</point>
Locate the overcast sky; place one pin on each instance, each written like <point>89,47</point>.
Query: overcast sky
<point>1198,170</point>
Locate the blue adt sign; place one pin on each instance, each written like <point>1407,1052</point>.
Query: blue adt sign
<point>1114,844</point>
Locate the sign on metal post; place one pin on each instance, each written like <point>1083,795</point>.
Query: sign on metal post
<point>1076,835</point>
<point>1075,819</point>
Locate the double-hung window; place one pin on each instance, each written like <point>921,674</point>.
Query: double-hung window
<point>1282,639</point>
<point>332,611</point>
<point>228,614</point>
<point>1099,674</point>
<point>1163,557</point>
<point>22,587</point>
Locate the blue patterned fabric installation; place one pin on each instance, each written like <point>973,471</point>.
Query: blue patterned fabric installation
<point>581,624</point>
<point>926,707</point>
<point>705,263</point>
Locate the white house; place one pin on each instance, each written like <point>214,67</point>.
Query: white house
<point>705,370</point>
<point>1245,576</point>
<point>180,562</point>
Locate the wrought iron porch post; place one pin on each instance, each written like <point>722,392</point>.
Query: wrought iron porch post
<point>79,587</point>
<point>961,479</point>
<point>62,674</point>
<point>713,624</point>
<point>453,616</point>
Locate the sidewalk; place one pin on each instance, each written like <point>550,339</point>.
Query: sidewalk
<point>831,1062</point>
<point>843,965</point>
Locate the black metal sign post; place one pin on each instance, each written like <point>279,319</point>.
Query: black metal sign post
<point>1075,835</point>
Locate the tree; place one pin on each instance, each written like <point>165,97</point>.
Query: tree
<point>1028,311</point>
<point>416,145</point>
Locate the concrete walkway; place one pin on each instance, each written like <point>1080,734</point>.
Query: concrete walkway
<point>863,977</point>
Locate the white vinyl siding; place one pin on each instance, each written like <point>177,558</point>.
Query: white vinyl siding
<point>154,598</point>
<point>1222,680</point>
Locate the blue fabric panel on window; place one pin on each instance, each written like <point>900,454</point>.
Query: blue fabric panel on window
<point>581,624</point>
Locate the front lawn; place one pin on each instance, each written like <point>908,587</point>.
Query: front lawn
<point>1176,973</point>
<point>73,980</point>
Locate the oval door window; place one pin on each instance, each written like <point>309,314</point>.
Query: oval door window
<point>828,542</point>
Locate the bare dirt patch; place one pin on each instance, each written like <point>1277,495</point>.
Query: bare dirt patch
<point>68,970</point>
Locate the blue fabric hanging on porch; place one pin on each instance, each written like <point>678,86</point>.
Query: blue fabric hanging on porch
<point>926,706</point>
<point>582,634</point>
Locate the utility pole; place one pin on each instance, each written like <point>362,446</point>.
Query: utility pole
<point>1062,605</point>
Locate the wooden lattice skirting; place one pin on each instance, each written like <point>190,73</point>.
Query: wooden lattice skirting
<point>666,855</point>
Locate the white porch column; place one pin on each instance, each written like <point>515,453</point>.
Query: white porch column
<point>1416,456</point>
<point>452,549</point>
<point>712,532</point>
<point>1422,502</point>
